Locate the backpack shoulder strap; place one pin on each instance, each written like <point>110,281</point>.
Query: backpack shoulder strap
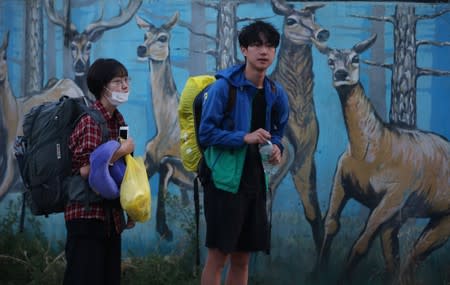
<point>231,99</point>
<point>97,116</point>
<point>197,221</point>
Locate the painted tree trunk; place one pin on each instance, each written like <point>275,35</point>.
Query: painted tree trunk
<point>404,73</point>
<point>33,76</point>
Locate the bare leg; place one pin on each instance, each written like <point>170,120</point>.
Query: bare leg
<point>212,272</point>
<point>238,272</point>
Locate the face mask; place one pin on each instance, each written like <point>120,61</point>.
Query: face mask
<point>117,98</point>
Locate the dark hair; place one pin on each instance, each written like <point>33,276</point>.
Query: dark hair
<point>101,72</point>
<point>251,34</point>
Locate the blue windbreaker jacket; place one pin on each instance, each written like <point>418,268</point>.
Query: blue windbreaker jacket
<point>214,130</point>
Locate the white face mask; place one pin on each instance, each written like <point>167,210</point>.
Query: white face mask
<point>117,98</point>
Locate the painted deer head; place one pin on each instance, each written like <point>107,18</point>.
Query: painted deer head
<point>156,40</point>
<point>344,63</point>
<point>80,43</point>
<point>299,25</point>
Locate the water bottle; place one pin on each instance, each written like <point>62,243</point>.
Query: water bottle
<point>265,150</point>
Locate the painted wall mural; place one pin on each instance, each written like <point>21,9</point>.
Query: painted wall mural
<point>367,145</point>
<point>396,172</point>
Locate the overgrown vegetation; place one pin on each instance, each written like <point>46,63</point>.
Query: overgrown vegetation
<point>27,257</point>
<point>293,256</point>
<point>175,268</point>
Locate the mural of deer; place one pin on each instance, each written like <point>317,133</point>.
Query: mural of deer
<point>162,151</point>
<point>9,122</point>
<point>294,72</point>
<point>13,110</point>
<point>80,44</point>
<point>397,173</point>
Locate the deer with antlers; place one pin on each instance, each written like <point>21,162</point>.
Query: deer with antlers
<point>80,44</point>
<point>13,110</point>
<point>397,173</point>
<point>294,72</point>
<point>162,151</point>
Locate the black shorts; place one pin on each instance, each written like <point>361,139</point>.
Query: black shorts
<point>236,222</point>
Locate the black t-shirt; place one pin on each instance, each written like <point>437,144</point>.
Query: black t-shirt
<point>252,179</point>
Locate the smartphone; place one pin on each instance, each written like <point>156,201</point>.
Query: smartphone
<point>123,132</point>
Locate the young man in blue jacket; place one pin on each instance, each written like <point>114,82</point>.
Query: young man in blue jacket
<point>235,185</point>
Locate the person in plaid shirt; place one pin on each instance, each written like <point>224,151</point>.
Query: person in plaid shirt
<point>93,245</point>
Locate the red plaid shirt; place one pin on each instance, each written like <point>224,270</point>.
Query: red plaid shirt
<point>86,137</point>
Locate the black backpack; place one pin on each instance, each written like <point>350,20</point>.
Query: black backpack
<point>43,155</point>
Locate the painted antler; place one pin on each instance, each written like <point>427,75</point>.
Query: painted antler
<point>293,16</point>
<point>80,43</point>
<point>56,18</point>
<point>97,28</point>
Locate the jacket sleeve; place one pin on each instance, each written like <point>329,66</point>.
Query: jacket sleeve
<point>212,130</point>
<point>280,117</point>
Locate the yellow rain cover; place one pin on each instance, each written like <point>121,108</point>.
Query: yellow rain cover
<point>190,153</point>
<point>135,195</point>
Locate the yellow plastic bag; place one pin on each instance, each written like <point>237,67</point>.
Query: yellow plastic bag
<point>135,195</point>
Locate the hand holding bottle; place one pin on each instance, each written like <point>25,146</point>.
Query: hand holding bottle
<point>265,150</point>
